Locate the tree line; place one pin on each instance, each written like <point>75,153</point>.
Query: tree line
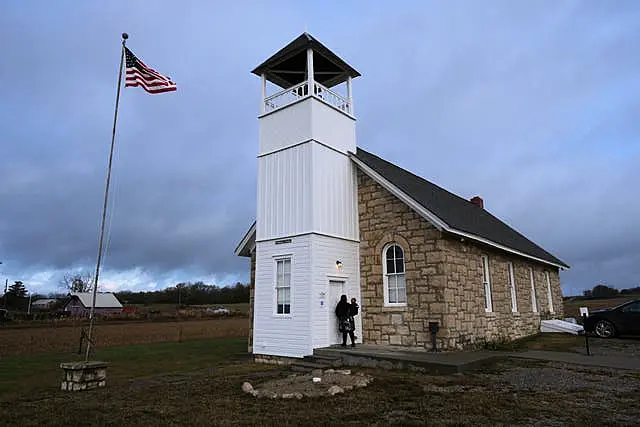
<point>604,291</point>
<point>184,293</point>
<point>197,293</point>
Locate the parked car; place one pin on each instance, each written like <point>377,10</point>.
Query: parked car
<point>218,310</point>
<point>609,322</point>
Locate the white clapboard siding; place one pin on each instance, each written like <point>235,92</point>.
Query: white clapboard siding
<point>284,335</point>
<point>307,192</point>
<point>325,251</point>
<point>284,195</point>
<point>306,188</point>
<point>335,210</point>
<point>333,128</point>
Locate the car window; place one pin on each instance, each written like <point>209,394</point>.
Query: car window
<point>634,307</point>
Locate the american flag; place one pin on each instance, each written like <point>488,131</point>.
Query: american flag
<point>147,78</point>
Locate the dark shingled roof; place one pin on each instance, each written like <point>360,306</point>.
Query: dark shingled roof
<point>458,213</point>
<point>288,66</point>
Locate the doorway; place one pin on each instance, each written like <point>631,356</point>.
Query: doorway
<point>336,289</point>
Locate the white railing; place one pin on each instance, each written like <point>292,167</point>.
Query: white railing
<point>331,98</point>
<point>286,97</point>
<point>301,90</point>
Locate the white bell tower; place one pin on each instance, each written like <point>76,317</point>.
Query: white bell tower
<point>307,240</point>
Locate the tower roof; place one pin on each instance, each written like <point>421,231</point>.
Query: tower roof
<point>288,66</point>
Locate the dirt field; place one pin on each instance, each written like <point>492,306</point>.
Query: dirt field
<point>28,341</point>
<point>572,306</point>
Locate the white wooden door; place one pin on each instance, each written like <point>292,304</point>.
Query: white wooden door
<point>337,288</point>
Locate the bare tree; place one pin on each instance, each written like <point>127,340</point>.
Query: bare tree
<point>77,282</point>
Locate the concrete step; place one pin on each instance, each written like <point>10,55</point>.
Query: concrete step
<point>307,365</point>
<point>323,357</point>
<point>329,360</point>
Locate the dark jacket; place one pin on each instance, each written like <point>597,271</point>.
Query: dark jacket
<point>343,310</point>
<point>353,309</point>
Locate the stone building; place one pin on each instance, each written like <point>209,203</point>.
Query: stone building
<point>335,219</point>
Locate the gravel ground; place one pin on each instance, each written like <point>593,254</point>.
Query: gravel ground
<point>558,393</point>
<point>626,347</point>
<point>564,378</point>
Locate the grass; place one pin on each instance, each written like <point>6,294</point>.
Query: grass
<point>547,341</point>
<point>198,383</point>
<point>25,373</point>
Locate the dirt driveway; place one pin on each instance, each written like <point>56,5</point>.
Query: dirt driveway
<point>623,347</point>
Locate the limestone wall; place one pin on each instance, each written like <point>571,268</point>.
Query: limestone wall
<point>444,281</point>
<point>384,219</point>
<point>467,321</point>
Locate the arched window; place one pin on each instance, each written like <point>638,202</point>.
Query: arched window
<point>395,287</point>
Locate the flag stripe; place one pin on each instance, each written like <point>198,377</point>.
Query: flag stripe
<point>134,76</point>
<point>166,89</point>
<point>152,89</point>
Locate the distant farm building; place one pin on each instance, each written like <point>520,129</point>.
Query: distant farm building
<point>80,303</point>
<point>43,304</point>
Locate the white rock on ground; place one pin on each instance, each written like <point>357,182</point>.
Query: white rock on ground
<point>361,382</point>
<point>334,389</point>
<point>247,387</point>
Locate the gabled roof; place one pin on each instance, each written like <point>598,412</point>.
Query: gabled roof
<point>247,243</point>
<point>450,212</point>
<point>103,299</point>
<point>287,67</point>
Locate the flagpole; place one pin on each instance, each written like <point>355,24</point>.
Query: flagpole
<point>125,36</point>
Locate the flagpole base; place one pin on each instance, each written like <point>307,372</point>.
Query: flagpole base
<point>79,376</point>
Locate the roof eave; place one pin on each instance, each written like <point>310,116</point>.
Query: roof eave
<point>302,42</point>
<point>243,248</point>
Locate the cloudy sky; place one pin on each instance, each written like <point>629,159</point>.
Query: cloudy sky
<point>532,105</point>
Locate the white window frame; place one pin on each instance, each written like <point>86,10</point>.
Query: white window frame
<point>486,283</point>
<point>386,275</point>
<point>549,293</point>
<point>276,287</point>
<point>512,285</point>
<point>534,300</point>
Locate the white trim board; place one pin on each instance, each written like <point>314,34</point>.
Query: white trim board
<point>291,236</point>
<point>306,141</point>
<point>434,219</point>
